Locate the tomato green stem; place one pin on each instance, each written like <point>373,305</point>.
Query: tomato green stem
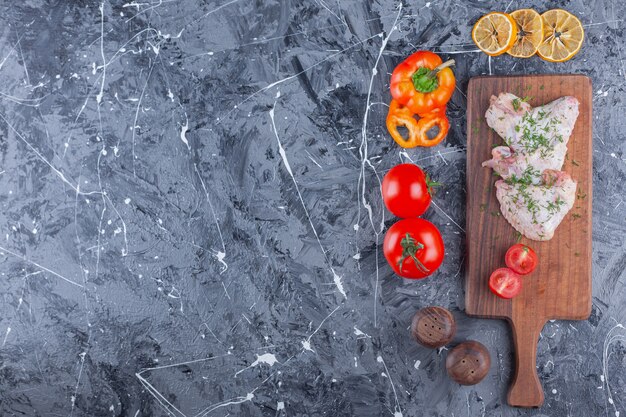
<point>409,248</point>
<point>431,185</point>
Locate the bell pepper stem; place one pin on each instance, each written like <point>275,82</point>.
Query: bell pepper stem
<point>439,67</point>
<point>425,79</point>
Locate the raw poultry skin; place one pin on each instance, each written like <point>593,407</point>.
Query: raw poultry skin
<point>537,210</point>
<point>534,194</point>
<point>536,138</point>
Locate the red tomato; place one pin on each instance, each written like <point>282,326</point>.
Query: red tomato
<point>521,259</point>
<point>413,248</point>
<point>505,283</point>
<point>407,190</point>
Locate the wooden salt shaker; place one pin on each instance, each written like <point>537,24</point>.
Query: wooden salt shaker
<point>433,327</point>
<point>468,363</point>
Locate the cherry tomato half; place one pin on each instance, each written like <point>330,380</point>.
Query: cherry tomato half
<point>521,259</point>
<point>414,248</point>
<point>407,191</point>
<point>505,283</point>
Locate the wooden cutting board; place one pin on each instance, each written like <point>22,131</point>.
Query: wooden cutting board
<point>560,287</point>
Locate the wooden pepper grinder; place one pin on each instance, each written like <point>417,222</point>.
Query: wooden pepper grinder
<point>468,363</point>
<point>433,327</point>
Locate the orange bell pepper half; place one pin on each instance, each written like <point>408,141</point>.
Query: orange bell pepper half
<point>422,82</point>
<point>400,115</point>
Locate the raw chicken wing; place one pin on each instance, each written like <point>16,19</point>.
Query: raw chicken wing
<point>537,210</point>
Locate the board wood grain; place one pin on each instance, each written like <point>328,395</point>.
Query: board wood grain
<point>560,287</point>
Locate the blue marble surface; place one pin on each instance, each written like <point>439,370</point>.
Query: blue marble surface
<point>191,222</point>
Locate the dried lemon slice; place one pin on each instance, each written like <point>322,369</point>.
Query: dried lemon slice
<point>563,35</point>
<point>529,33</point>
<point>495,33</point>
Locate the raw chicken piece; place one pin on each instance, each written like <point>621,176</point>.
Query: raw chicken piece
<point>537,210</point>
<point>518,166</point>
<point>510,165</point>
<point>536,137</point>
<point>502,116</point>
